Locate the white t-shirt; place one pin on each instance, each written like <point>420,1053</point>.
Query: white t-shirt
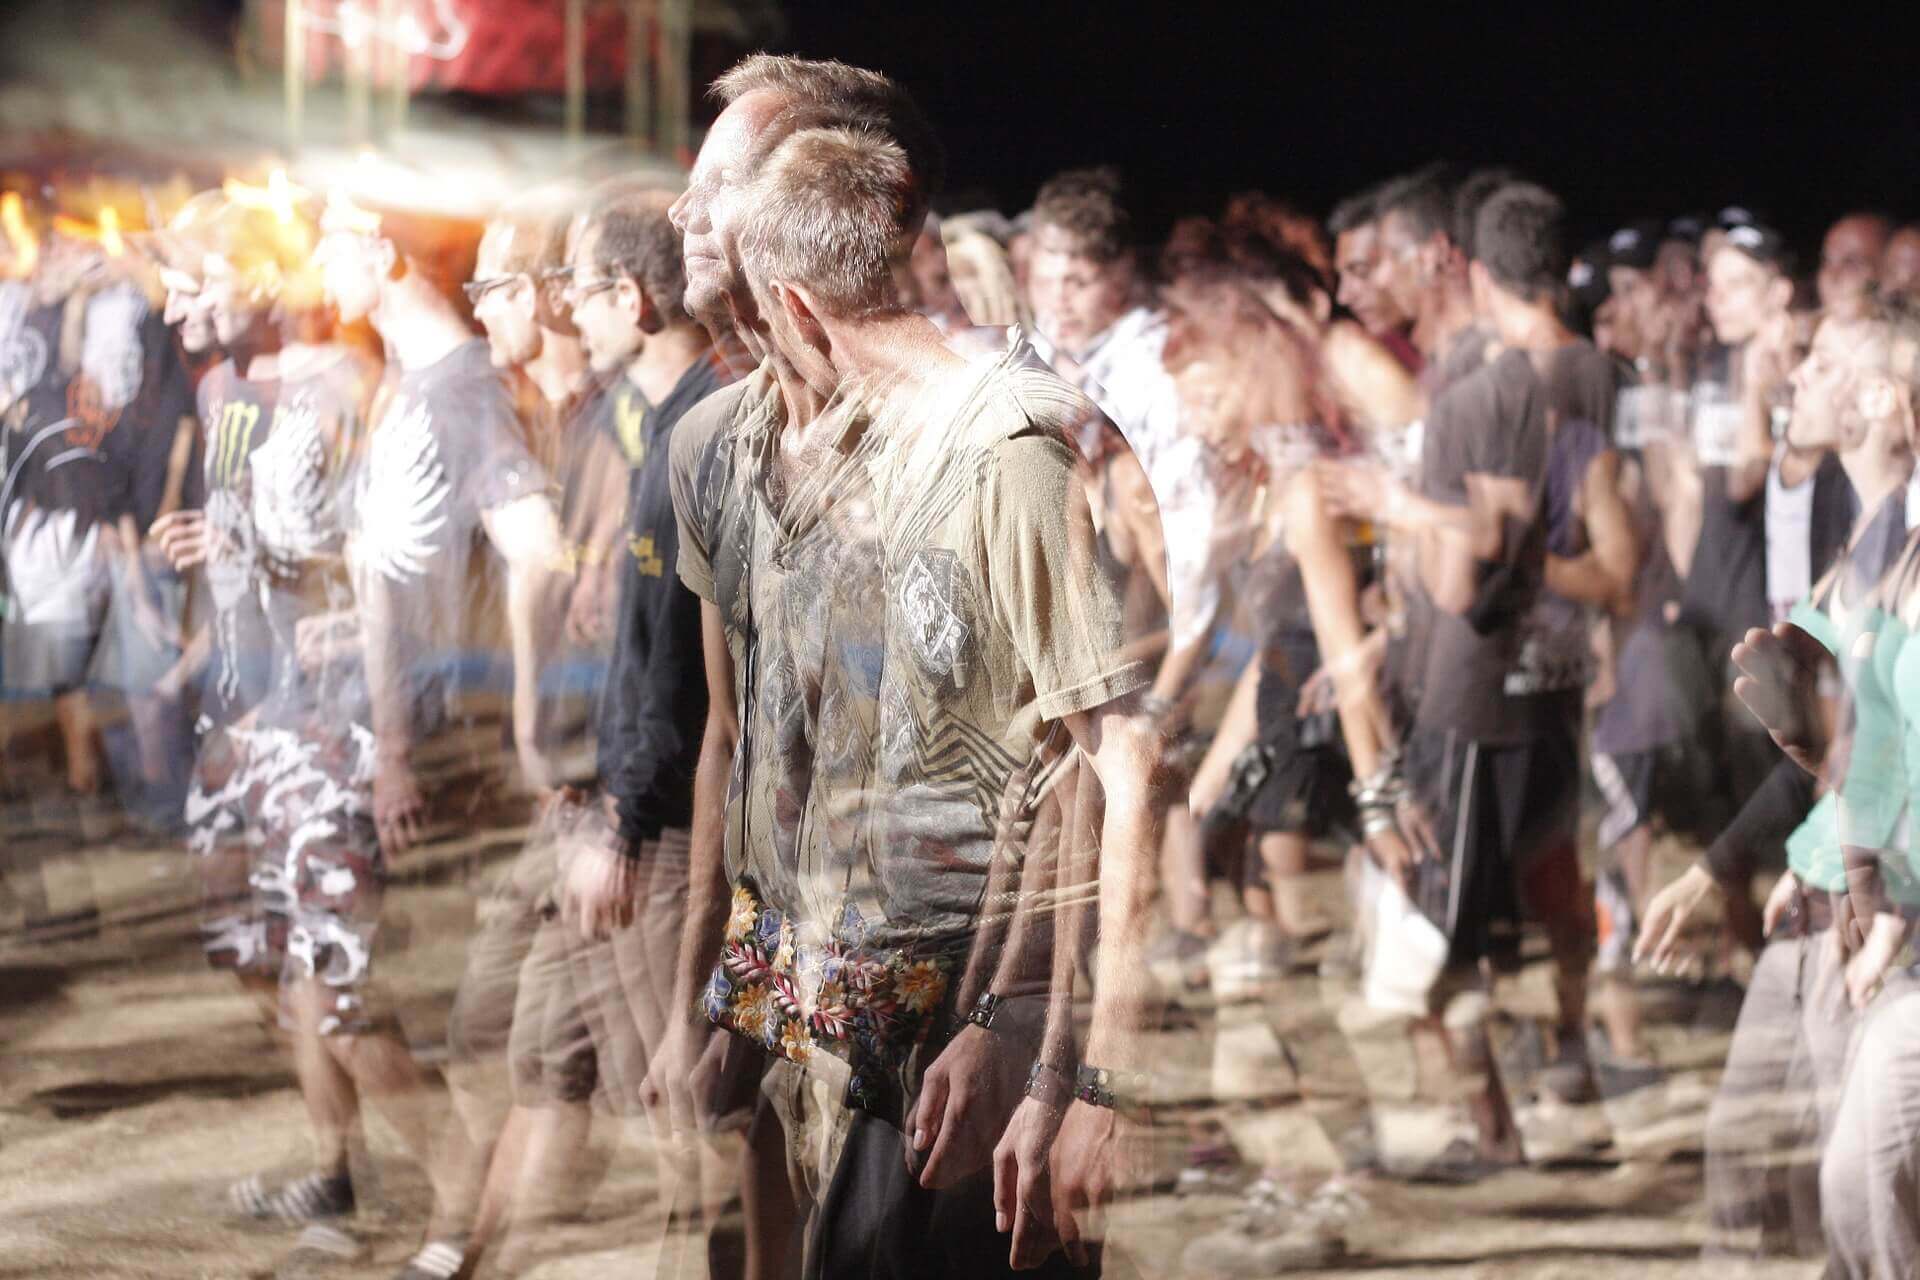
<point>1789,540</point>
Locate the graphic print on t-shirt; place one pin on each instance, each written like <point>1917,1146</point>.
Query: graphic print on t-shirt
<point>291,484</point>
<point>23,352</point>
<point>405,503</point>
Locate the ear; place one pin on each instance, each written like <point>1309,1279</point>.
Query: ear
<point>798,305</point>
<point>1878,398</point>
<point>1780,293</point>
<point>388,256</point>
<point>648,315</point>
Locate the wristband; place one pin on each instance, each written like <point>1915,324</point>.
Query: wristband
<point>1115,1090</point>
<point>1048,1086</point>
<point>981,1015</point>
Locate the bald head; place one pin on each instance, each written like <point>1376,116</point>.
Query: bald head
<point>1851,257</point>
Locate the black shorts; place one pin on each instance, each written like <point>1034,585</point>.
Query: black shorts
<point>1506,819</point>
<point>1672,784</point>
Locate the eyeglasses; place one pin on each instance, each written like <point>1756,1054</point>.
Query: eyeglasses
<point>478,289</point>
<point>578,293</point>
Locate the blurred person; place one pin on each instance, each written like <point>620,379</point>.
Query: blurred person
<point>523,1067</point>
<point>982,276</point>
<point>1787,1062</point>
<point>1852,255</point>
<point>630,887</point>
<point>447,472</point>
<point>1355,225</point>
<point>285,409</point>
<point>1522,527</point>
<point>1715,514</point>
<point>1900,267</point>
<point>1082,1139</point>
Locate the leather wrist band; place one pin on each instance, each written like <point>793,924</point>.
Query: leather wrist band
<point>984,1009</point>
<point>1048,1085</point>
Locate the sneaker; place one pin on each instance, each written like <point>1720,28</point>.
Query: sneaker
<point>437,1260</point>
<point>1247,960</point>
<point>321,1248</point>
<point>1210,1170</point>
<point>1459,1164</point>
<point>315,1197</point>
<point>1178,961</point>
<point>1569,1077</point>
<point>1269,1234</point>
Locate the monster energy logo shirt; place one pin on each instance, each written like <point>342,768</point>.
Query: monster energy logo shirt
<point>236,418</point>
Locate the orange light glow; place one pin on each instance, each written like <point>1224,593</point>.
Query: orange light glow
<point>13,220</point>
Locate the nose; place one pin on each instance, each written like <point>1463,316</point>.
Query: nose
<point>677,211</point>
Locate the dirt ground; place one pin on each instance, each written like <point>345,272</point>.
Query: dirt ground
<point>136,1085</point>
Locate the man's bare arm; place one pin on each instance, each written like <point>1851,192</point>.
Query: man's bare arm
<point>526,533</point>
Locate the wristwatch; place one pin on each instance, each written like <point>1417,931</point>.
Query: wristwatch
<point>981,1015</point>
<point>1048,1085</point>
<point>1121,1091</point>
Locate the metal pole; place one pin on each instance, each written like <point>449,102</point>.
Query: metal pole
<point>398,62</point>
<point>576,69</point>
<point>294,52</point>
<point>676,71</point>
<point>358,36</point>
<point>639,51</point>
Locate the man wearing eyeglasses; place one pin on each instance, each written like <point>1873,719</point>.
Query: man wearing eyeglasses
<point>446,466</point>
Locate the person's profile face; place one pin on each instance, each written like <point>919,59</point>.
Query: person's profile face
<point>186,310</point>
<point>230,307</point>
<point>1075,298</point>
<point>705,213</point>
<point>507,306</point>
<point>1737,289</point>
<point>1396,274</point>
<point>609,331</point>
<point>1825,382</point>
<point>1355,250</point>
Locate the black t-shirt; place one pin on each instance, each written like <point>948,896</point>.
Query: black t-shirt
<point>445,449</point>
<point>1504,672</point>
<point>237,416</point>
<point>1726,587</point>
<point>655,702</point>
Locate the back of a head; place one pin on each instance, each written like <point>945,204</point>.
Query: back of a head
<point>1469,194</point>
<point>827,94</point>
<point>1086,205</point>
<point>632,235</point>
<point>823,212</point>
<point>1423,198</point>
<point>1520,238</point>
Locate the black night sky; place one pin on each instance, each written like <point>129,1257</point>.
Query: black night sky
<point>1626,112</point>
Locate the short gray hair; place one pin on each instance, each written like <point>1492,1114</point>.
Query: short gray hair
<point>826,93</point>
<point>824,212</point>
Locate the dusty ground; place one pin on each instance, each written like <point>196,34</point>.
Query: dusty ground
<point>135,1086</point>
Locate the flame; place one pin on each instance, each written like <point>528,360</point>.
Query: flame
<point>13,220</point>
<point>105,233</point>
<point>279,195</point>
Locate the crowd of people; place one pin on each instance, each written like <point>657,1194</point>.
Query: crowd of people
<point>928,648</point>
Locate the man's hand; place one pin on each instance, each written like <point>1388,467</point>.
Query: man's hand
<point>1885,937</point>
<point>1022,1203</point>
<point>1780,684</point>
<point>1782,904</point>
<point>1089,1159</point>
<point>323,638</point>
<point>1359,489</point>
<point>1667,916</point>
<point>183,538</point>
<point>587,608</point>
<point>398,806</point>
<point>599,895</point>
<point>1395,855</point>
<point>1317,694</point>
<point>964,1105</point>
<point>683,1079</point>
